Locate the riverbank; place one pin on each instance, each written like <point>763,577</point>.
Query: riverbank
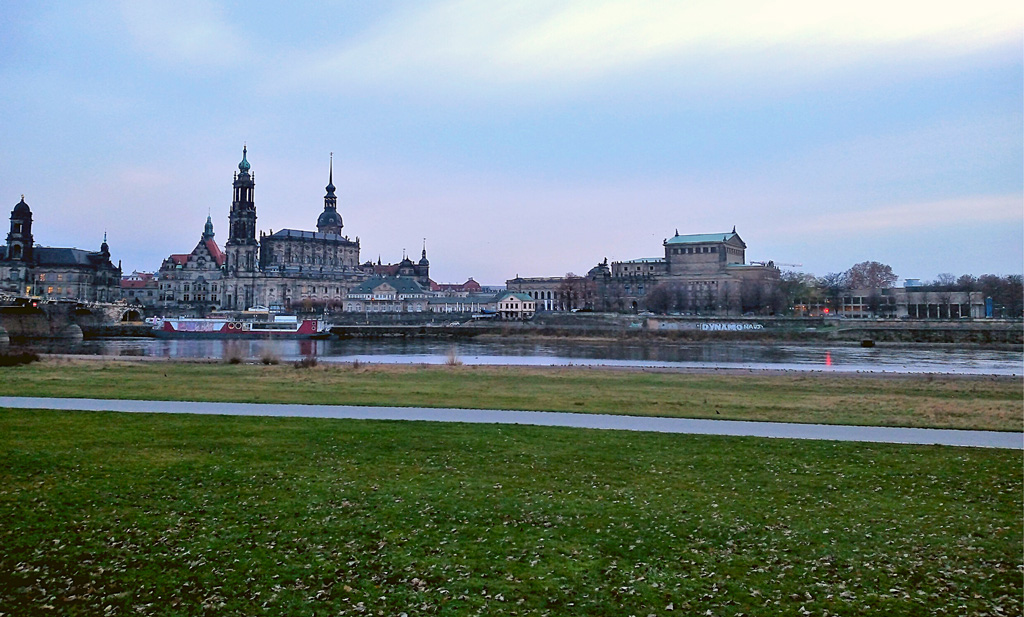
<point>927,401</point>
<point>632,328</point>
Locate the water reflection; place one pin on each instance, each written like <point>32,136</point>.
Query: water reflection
<point>838,358</point>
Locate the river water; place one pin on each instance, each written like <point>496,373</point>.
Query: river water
<point>707,354</point>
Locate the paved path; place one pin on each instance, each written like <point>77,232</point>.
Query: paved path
<point>986,439</point>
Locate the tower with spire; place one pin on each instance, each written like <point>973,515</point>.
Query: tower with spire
<point>242,248</point>
<point>242,245</point>
<point>329,221</point>
<point>208,230</point>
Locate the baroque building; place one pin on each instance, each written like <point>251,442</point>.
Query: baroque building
<point>194,280</point>
<point>286,269</point>
<point>699,273</point>
<point>27,269</point>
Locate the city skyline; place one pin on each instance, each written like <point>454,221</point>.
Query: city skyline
<point>532,139</point>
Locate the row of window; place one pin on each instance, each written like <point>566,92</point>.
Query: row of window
<point>690,250</point>
<point>56,276</point>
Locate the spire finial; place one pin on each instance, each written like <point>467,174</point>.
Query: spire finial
<point>244,165</point>
<point>104,236</point>
<point>23,196</point>
<point>677,231</point>
<point>733,229</point>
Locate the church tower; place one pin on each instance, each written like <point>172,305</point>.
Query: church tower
<point>330,221</point>
<point>19,240</point>
<point>242,247</point>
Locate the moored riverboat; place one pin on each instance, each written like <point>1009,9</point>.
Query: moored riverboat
<point>249,324</point>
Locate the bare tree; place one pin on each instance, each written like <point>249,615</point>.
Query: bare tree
<point>660,299</point>
<point>577,292</point>
<point>870,275</point>
<point>832,285</point>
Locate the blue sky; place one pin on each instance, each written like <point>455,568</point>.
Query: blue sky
<point>531,138</point>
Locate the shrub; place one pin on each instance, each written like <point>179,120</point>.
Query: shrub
<point>233,353</point>
<point>18,359</point>
<point>453,357</point>
<point>307,362</point>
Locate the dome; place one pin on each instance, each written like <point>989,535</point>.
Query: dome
<point>423,261</point>
<point>329,218</point>
<point>244,165</point>
<point>22,207</point>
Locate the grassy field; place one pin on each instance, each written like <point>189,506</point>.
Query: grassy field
<point>919,401</point>
<point>139,514</point>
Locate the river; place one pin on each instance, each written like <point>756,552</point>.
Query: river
<point>837,357</point>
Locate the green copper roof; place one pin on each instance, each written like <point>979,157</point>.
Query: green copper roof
<point>694,238</point>
<point>244,165</point>
<point>515,294</point>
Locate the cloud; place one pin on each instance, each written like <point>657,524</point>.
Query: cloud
<point>189,33</point>
<point>459,42</point>
<point>970,210</point>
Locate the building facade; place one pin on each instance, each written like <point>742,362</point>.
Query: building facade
<point>27,269</point>
<point>514,305</point>
<point>290,269</point>
<point>700,273</point>
<point>393,294</point>
<point>194,281</point>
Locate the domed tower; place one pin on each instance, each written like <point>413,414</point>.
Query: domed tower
<point>19,240</point>
<point>208,230</point>
<point>330,221</point>
<point>406,267</point>
<point>241,246</point>
<point>423,268</point>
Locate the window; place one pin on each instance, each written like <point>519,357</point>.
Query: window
<point>42,277</point>
<point>60,277</point>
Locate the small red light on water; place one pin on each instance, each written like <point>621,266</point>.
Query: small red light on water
<point>825,311</point>
<point>828,358</point>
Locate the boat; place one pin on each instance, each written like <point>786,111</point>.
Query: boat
<point>247,324</point>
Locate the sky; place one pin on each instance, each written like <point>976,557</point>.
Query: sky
<point>526,138</point>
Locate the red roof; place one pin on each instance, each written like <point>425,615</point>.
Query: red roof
<point>218,255</point>
<point>470,286</point>
<point>179,259</point>
<point>136,283</point>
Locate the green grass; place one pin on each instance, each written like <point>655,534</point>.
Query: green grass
<point>918,401</point>
<point>139,514</point>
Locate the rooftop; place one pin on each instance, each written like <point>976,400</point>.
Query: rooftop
<point>700,238</point>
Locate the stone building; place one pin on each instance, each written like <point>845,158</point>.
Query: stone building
<point>702,273</point>
<point>544,290</point>
<point>287,269</point>
<point>193,281</point>
<point>514,305</point>
<point>27,269</point>
<point>392,294</point>
<point>141,288</point>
